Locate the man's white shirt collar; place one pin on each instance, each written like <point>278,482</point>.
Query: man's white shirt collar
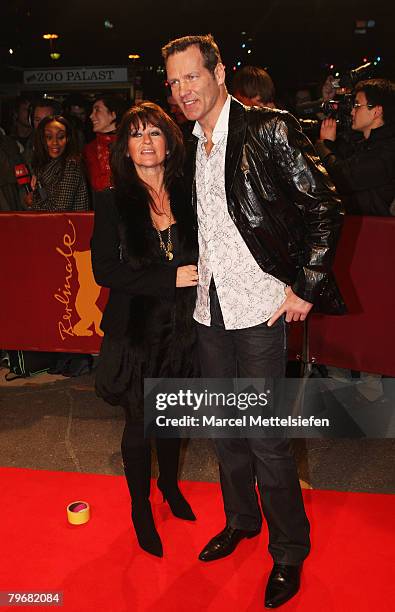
<point>221,127</point>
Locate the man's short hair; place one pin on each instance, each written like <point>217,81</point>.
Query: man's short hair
<point>52,103</point>
<point>206,43</point>
<point>252,81</point>
<point>379,92</point>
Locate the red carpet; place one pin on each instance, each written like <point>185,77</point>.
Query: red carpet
<point>99,566</point>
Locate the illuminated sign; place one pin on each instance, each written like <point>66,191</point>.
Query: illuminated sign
<point>76,74</point>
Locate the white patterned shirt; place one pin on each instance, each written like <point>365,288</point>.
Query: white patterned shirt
<point>247,295</point>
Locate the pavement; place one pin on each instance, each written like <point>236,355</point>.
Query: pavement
<point>50,422</point>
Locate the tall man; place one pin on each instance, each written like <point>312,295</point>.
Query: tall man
<point>268,224</point>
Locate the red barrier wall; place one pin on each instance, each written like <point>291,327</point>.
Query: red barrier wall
<point>50,301</point>
<point>364,339</point>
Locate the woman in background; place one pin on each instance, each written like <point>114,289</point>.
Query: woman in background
<point>59,182</point>
<point>106,114</point>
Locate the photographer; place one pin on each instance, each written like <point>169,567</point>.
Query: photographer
<point>363,169</point>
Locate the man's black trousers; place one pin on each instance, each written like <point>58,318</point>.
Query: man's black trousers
<point>256,352</point>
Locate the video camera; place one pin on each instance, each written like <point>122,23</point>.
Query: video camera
<point>340,106</point>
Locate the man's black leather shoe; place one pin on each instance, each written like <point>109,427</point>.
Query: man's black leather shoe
<point>224,543</point>
<point>283,583</point>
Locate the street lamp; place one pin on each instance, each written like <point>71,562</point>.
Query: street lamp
<point>52,53</point>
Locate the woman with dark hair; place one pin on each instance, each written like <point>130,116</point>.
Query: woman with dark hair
<point>106,115</point>
<point>58,183</point>
<point>144,248</point>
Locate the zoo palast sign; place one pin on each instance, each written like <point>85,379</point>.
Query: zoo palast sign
<point>76,74</point>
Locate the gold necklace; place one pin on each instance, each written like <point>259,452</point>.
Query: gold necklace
<point>166,248</point>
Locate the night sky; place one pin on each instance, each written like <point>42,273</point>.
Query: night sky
<point>294,39</point>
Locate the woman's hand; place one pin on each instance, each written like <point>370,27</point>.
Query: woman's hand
<point>28,199</point>
<point>187,276</point>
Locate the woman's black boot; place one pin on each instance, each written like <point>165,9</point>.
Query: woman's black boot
<point>168,451</point>
<point>145,529</point>
<point>136,454</point>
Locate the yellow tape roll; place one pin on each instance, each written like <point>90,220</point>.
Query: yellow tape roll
<point>78,513</point>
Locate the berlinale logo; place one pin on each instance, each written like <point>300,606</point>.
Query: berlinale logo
<point>84,302</point>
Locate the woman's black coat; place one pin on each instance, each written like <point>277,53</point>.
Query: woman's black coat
<point>127,259</point>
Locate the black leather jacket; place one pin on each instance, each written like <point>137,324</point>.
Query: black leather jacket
<point>363,171</point>
<point>282,202</point>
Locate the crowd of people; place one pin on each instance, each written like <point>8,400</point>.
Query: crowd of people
<point>56,156</point>
<point>208,250</point>
<point>359,160</point>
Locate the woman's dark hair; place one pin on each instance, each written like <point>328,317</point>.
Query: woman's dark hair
<point>40,154</point>
<point>124,175</point>
<point>114,103</point>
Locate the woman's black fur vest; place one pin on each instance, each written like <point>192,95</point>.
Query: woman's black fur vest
<point>153,318</point>
<point>140,245</point>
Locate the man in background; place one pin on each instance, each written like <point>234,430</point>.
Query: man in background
<point>363,169</point>
<point>40,108</point>
<point>253,86</point>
